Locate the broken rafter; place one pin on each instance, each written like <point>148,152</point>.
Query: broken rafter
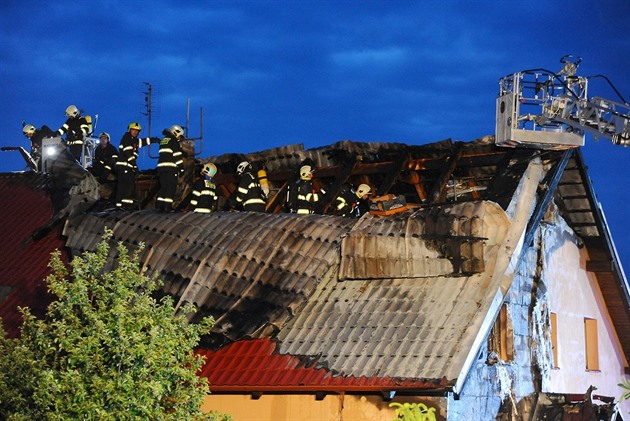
<point>438,195</point>
<point>551,183</point>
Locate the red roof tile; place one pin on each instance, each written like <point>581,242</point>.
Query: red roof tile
<point>254,366</point>
<point>23,261</point>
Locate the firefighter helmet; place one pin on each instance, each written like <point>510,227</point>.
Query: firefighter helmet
<point>176,130</point>
<point>209,169</point>
<point>363,189</point>
<point>242,167</point>
<point>72,111</point>
<point>135,126</point>
<point>29,129</point>
<point>104,134</point>
<point>305,171</point>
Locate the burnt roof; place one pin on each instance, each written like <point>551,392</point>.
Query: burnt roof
<point>375,296</point>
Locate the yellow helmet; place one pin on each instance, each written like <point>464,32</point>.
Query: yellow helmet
<point>363,189</point>
<point>29,129</point>
<point>134,125</point>
<point>209,169</point>
<point>72,111</point>
<point>305,170</point>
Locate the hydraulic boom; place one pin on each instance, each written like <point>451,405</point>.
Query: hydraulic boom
<point>541,109</point>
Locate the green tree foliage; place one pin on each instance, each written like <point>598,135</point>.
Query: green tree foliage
<point>106,350</point>
<point>413,412</point>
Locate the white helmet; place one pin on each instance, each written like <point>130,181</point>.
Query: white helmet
<point>363,189</point>
<point>72,111</point>
<point>28,129</point>
<point>209,169</point>
<point>305,170</point>
<point>242,167</point>
<point>104,134</point>
<point>176,130</point>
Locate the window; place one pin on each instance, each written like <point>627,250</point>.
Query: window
<point>553,319</point>
<point>501,339</point>
<point>591,345</point>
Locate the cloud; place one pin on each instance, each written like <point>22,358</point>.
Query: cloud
<point>381,57</point>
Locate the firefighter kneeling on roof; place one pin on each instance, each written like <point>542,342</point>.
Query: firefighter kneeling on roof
<point>348,202</point>
<point>170,166</point>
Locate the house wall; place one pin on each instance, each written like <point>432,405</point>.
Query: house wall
<point>574,294</point>
<point>551,277</point>
<point>294,407</point>
<point>491,383</point>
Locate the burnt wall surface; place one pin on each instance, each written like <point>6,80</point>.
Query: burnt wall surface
<point>493,382</point>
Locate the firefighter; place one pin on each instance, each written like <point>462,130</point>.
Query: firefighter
<point>249,194</point>
<point>204,192</point>
<point>127,167</point>
<point>36,136</point>
<point>105,157</point>
<point>75,128</point>
<point>170,166</point>
<point>304,198</point>
<point>347,202</point>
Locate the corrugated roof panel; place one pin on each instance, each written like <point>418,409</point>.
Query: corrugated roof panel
<point>384,315</point>
<point>434,241</point>
<point>252,269</point>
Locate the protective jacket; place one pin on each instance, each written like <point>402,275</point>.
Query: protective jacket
<point>128,151</point>
<point>306,198</point>
<point>36,142</point>
<point>170,164</point>
<point>346,203</point>
<point>170,153</point>
<point>204,196</point>
<point>126,167</point>
<point>104,160</point>
<point>75,129</point>
<point>249,193</point>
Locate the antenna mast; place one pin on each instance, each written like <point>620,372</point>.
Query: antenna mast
<point>148,102</point>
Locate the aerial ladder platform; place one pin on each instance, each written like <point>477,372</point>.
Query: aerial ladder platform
<point>542,109</point>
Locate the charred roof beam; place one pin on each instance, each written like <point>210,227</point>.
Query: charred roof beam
<point>550,185</point>
<point>438,195</point>
<point>392,175</point>
<point>414,178</point>
<point>344,173</point>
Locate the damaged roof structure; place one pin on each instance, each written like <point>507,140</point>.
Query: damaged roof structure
<point>404,306</point>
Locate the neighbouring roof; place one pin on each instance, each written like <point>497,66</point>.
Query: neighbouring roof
<point>26,208</point>
<point>389,302</point>
<point>256,366</point>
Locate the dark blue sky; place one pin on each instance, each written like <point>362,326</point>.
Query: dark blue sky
<point>272,73</point>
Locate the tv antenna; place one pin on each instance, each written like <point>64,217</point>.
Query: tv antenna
<point>148,102</point>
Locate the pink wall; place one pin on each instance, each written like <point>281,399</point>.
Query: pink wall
<point>574,295</point>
